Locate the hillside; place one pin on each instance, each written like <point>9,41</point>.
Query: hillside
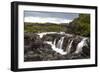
<point>44,27</point>
<point>80,26</point>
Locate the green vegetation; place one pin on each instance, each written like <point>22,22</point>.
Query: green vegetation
<point>46,27</point>
<point>80,25</point>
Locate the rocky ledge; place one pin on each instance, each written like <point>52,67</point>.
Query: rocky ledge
<point>36,50</point>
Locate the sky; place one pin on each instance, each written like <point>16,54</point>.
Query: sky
<point>49,17</point>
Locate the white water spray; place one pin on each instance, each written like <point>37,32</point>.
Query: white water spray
<point>80,45</point>
<point>60,43</point>
<point>44,33</point>
<point>68,49</point>
<point>60,51</point>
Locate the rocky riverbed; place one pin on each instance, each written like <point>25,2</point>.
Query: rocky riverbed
<point>55,46</point>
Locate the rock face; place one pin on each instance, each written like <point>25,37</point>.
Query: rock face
<point>55,46</point>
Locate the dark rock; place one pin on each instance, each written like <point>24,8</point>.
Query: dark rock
<point>76,41</point>
<point>35,48</point>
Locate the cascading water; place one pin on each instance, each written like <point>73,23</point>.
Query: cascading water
<point>68,48</point>
<point>60,51</point>
<point>54,42</point>
<point>80,45</point>
<point>60,43</point>
<point>47,46</point>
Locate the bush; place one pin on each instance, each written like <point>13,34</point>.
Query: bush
<point>80,25</point>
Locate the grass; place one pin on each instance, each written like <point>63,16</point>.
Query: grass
<point>35,28</point>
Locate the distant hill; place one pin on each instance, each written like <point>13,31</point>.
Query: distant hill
<point>45,27</point>
<point>30,23</point>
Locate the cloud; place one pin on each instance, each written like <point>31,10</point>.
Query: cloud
<point>46,19</point>
<point>51,14</point>
<point>49,17</point>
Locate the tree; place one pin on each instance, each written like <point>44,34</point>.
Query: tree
<point>80,25</point>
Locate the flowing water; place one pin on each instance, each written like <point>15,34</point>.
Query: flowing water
<point>58,45</point>
<point>80,45</point>
<point>58,50</point>
<point>68,49</point>
<point>44,33</point>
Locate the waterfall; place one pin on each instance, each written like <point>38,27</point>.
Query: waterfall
<point>54,42</point>
<point>60,43</point>
<point>60,46</point>
<point>53,46</point>
<point>57,45</point>
<point>58,49</point>
<point>68,49</point>
<point>80,45</point>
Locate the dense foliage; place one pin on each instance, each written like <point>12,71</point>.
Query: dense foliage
<point>80,25</point>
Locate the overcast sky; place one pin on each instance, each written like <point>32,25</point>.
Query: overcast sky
<point>51,17</point>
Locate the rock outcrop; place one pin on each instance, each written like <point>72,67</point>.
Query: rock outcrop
<point>58,48</point>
